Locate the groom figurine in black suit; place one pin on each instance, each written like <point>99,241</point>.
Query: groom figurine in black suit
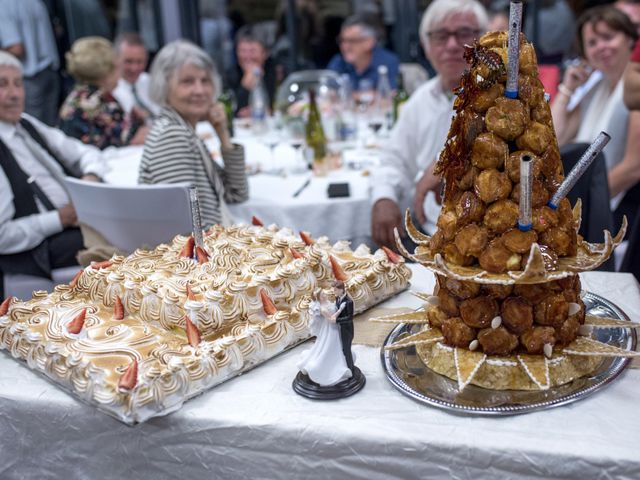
<point>344,319</point>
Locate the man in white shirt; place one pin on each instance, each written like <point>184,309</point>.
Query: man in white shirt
<point>38,225</point>
<point>132,91</point>
<point>422,127</point>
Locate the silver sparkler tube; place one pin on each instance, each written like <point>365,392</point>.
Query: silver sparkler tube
<point>513,59</point>
<point>576,172</point>
<point>526,185</point>
<point>196,219</point>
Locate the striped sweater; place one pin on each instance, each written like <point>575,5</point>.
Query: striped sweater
<point>173,153</point>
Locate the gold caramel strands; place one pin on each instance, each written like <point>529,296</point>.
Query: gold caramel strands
<point>129,378</point>
<point>455,157</point>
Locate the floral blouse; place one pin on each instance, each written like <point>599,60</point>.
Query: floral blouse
<point>96,118</point>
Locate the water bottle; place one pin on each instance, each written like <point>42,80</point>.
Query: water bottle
<point>383,96</point>
<point>258,102</point>
<point>346,124</point>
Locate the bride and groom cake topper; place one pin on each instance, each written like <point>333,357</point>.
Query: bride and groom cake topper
<point>327,370</point>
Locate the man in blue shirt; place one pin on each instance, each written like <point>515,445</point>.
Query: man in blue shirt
<point>360,55</point>
<point>26,32</point>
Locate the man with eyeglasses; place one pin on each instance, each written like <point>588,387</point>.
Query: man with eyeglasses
<point>360,55</point>
<point>423,124</point>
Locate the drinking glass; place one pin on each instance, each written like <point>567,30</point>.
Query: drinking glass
<point>365,94</point>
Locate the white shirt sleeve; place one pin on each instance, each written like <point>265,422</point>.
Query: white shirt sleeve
<point>395,177</point>
<point>71,150</point>
<point>24,233</point>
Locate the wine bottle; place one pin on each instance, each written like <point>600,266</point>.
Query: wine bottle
<point>314,135</point>
<point>400,97</point>
<point>228,100</point>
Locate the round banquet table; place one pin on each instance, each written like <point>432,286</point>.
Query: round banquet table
<point>254,426</point>
<point>278,177</point>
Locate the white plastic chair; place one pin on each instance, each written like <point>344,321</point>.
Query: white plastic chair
<point>22,286</point>
<point>413,75</point>
<point>132,217</point>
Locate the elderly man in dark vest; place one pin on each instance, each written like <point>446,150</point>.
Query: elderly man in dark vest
<point>38,225</point>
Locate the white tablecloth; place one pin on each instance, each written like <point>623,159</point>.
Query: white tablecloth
<point>271,199</point>
<point>271,196</point>
<point>255,427</point>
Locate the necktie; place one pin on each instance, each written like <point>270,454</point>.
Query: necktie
<point>40,155</point>
<point>139,102</point>
<point>37,191</point>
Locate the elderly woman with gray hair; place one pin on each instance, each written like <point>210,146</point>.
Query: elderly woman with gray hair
<point>182,82</point>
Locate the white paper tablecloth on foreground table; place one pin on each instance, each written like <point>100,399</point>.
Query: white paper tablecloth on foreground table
<point>255,427</point>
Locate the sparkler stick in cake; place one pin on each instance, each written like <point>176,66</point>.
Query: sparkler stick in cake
<point>578,170</point>
<point>195,216</point>
<point>515,23</point>
<point>526,183</point>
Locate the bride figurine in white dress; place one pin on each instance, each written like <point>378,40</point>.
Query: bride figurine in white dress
<point>324,363</point>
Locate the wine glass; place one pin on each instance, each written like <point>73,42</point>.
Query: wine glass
<point>375,124</point>
<point>300,163</point>
<point>271,141</point>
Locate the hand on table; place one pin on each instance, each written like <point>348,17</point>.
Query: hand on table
<point>386,216</point>
<point>68,216</point>
<point>91,177</point>
<point>244,112</point>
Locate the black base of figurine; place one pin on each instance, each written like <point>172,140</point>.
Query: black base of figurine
<point>306,387</point>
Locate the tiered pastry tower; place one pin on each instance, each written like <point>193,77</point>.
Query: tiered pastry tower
<point>507,311</point>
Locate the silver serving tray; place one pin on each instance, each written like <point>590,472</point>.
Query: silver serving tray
<point>408,373</point>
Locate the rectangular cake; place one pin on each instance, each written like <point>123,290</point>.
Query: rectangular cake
<point>138,335</point>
